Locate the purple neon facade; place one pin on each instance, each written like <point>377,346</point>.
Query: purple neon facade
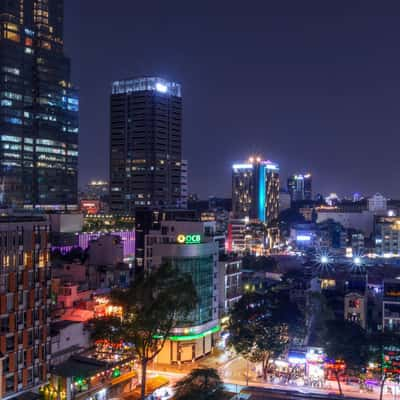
<point>128,240</point>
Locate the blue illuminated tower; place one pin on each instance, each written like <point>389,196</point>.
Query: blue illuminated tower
<point>255,190</point>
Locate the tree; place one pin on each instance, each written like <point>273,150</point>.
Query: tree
<point>260,326</point>
<point>345,342</point>
<point>382,343</point>
<point>152,307</point>
<point>201,383</point>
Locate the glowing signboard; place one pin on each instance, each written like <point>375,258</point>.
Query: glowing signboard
<point>192,238</point>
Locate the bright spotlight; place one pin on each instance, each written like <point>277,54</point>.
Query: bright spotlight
<point>324,260</point>
<point>357,260</point>
<point>160,87</point>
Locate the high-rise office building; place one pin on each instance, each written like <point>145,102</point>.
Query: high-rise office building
<point>300,187</point>
<point>145,144</point>
<point>255,190</point>
<point>39,108</point>
<point>25,301</point>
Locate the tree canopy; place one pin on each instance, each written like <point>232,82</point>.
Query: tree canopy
<point>200,384</point>
<point>346,341</point>
<point>152,307</point>
<point>261,325</point>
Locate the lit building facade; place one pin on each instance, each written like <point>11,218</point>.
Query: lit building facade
<point>25,301</point>
<point>387,236</point>
<point>391,306</point>
<point>230,284</point>
<point>377,203</point>
<point>183,203</point>
<point>190,247</point>
<point>355,308</point>
<point>255,201</point>
<point>39,108</point>
<point>299,187</point>
<point>255,191</point>
<point>96,190</point>
<point>145,144</point>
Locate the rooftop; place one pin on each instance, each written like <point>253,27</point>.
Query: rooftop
<point>80,366</point>
<point>55,327</point>
<point>142,84</point>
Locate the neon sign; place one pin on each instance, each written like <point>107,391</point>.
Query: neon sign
<point>189,239</point>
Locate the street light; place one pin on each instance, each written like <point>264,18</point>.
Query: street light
<point>357,261</point>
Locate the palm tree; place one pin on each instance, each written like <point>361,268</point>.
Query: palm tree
<point>201,383</point>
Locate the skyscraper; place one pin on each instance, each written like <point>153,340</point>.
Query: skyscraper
<point>145,144</point>
<point>39,108</point>
<point>255,190</point>
<point>300,187</point>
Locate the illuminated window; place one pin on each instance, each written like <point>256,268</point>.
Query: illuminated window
<point>11,95</point>
<point>9,146</point>
<point>46,45</point>
<point>13,120</point>
<point>11,70</point>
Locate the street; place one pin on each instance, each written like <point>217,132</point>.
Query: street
<point>233,372</point>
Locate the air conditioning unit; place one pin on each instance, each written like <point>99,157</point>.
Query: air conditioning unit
<point>20,327</point>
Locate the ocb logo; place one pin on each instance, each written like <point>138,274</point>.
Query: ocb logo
<point>181,239</point>
<point>188,239</point>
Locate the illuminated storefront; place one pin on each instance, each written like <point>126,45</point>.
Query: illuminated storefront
<point>315,372</point>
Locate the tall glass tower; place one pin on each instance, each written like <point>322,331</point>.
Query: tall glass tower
<point>39,108</point>
<point>145,144</point>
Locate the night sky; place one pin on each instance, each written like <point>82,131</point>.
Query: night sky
<point>312,85</point>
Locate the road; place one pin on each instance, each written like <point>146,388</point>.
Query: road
<point>234,371</point>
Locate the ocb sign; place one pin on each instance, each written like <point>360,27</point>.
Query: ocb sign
<point>189,239</point>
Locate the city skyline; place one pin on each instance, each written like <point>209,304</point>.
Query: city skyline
<point>325,75</point>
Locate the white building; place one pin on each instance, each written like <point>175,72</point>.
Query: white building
<point>377,203</point>
<point>67,338</point>
<point>359,220</point>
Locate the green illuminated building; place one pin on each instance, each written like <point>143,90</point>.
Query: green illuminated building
<point>191,247</point>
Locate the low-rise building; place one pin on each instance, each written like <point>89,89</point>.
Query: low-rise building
<point>230,283</point>
<point>387,236</point>
<point>67,338</point>
<point>391,305</point>
<point>355,308</point>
